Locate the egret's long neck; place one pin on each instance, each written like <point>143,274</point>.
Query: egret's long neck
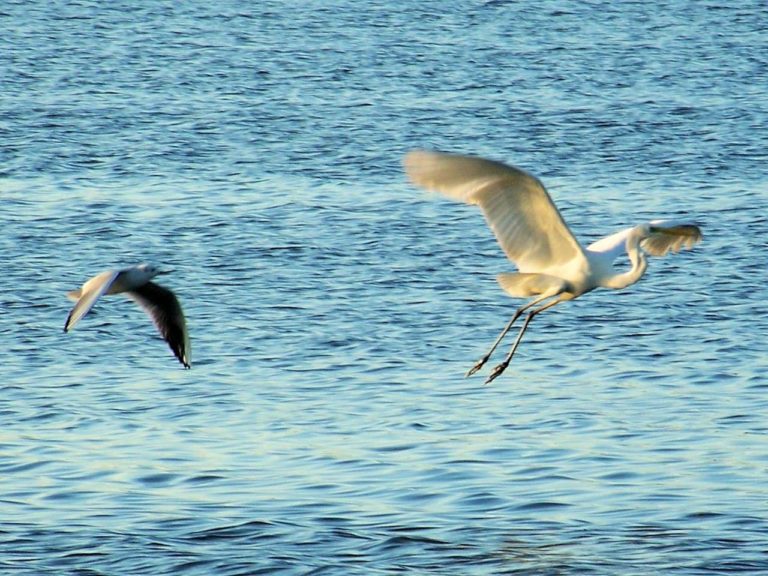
<point>639,264</point>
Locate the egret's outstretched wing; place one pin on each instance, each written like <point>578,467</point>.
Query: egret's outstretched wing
<point>611,247</point>
<point>667,235</point>
<point>663,236</point>
<point>516,205</point>
<point>92,289</point>
<point>163,307</point>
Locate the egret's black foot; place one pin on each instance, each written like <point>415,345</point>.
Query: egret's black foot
<point>497,372</point>
<point>479,364</point>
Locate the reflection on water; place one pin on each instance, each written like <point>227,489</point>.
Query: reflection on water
<point>326,426</point>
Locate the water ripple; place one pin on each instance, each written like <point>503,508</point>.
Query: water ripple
<point>326,427</point>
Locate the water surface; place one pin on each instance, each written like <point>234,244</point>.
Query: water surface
<point>326,427</point>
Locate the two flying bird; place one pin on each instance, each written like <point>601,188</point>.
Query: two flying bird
<point>552,266</point>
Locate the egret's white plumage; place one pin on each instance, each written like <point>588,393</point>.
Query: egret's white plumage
<point>159,303</point>
<point>552,265</point>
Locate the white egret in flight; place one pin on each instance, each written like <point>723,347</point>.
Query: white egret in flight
<point>159,303</point>
<point>552,266</point>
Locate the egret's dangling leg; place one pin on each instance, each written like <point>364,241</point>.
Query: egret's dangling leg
<point>503,366</point>
<point>480,363</point>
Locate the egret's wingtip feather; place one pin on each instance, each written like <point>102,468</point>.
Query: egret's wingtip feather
<point>669,236</point>
<point>420,167</point>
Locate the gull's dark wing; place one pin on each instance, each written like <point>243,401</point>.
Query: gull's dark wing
<point>163,307</point>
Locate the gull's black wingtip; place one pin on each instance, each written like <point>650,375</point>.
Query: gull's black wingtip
<point>182,357</point>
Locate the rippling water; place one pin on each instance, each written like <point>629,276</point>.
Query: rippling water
<point>326,427</point>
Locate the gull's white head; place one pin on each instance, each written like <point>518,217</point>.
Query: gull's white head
<point>146,272</point>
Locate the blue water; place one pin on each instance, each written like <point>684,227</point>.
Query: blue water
<point>325,426</point>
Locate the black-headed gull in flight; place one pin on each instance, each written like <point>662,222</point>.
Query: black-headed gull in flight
<point>160,303</point>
